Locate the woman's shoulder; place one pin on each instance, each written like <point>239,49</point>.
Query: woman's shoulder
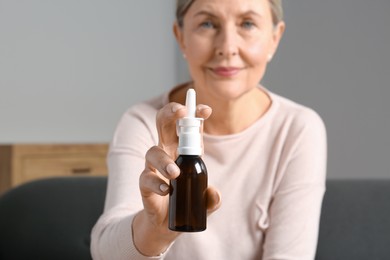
<point>295,114</point>
<point>143,113</point>
<point>147,107</point>
<point>138,123</point>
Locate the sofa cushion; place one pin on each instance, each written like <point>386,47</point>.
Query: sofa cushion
<point>50,218</point>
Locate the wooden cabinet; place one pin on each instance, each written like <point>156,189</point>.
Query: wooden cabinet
<point>26,162</point>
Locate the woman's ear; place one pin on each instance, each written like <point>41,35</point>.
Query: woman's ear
<point>277,36</point>
<point>178,32</point>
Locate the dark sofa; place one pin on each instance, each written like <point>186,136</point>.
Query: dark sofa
<point>50,218</point>
<point>53,218</point>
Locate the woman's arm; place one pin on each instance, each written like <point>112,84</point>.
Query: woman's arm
<point>296,205</point>
<point>134,224</point>
<point>112,236</point>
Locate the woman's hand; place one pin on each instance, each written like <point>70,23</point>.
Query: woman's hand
<point>150,226</point>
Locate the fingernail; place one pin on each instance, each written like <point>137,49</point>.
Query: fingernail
<point>217,200</point>
<point>172,169</point>
<point>164,187</point>
<point>218,196</point>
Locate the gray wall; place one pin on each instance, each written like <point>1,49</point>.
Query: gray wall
<point>70,68</point>
<point>335,58</point>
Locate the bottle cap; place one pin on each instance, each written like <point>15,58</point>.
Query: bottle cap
<point>188,128</point>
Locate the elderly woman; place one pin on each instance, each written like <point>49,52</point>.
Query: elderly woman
<point>265,154</point>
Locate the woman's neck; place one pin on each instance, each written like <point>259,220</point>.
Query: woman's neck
<point>234,116</point>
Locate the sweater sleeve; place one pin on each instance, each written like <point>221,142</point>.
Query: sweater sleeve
<point>296,205</point>
<point>111,236</point>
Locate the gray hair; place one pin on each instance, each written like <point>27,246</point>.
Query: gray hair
<point>182,7</point>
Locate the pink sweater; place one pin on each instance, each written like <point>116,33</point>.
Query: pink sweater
<point>271,177</point>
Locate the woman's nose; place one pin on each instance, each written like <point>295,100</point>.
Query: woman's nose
<point>226,42</point>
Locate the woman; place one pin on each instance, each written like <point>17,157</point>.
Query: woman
<point>266,155</point>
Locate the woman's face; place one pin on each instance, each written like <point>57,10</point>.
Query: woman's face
<point>227,44</point>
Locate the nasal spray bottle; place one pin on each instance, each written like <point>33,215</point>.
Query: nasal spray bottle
<point>187,198</point>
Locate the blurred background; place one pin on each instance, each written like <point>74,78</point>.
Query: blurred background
<point>70,69</point>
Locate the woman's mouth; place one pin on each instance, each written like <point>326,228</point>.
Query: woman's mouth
<point>226,71</point>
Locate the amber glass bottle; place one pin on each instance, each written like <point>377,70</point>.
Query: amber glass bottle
<point>187,198</point>
<point>187,202</point>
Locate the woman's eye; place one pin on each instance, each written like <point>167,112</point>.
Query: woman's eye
<point>248,24</point>
<point>207,25</point>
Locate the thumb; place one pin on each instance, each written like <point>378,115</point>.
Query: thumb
<point>213,198</point>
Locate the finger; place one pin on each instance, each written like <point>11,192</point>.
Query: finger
<point>170,113</point>
<point>166,125</point>
<point>203,111</point>
<point>213,198</point>
<point>150,183</point>
<point>172,110</point>
<point>158,159</point>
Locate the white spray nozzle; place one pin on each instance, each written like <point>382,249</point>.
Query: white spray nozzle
<point>188,128</point>
<point>191,103</point>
